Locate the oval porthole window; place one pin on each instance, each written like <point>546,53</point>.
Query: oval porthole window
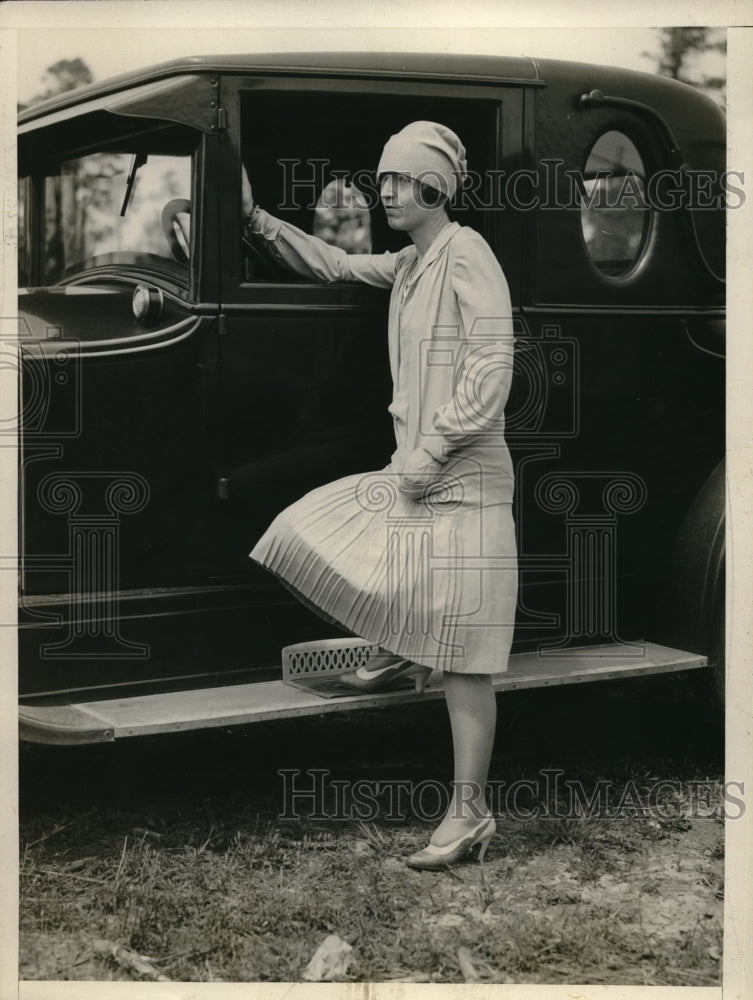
<point>613,209</point>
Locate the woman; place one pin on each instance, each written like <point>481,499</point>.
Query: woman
<point>419,558</point>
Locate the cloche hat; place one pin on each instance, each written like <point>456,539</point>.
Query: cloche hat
<point>428,152</point>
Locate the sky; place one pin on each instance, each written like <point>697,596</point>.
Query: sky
<point>108,52</point>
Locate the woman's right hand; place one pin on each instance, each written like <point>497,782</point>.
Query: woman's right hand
<point>247,196</point>
<point>420,472</point>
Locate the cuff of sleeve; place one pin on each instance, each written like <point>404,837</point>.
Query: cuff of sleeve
<point>436,446</point>
<point>263,224</point>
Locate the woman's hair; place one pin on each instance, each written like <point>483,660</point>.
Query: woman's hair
<point>431,196</point>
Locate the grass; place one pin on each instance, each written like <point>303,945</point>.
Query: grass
<point>210,887</point>
<point>253,902</point>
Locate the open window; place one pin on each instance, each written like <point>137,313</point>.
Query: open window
<point>305,149</point>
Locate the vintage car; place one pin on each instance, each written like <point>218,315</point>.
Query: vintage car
<point>180,387</point>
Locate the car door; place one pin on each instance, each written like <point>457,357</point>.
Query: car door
<point>116,475</point>
<point>304,369</point>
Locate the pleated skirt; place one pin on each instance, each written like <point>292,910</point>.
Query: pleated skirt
<point>431,580</point>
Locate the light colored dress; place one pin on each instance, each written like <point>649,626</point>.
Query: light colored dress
<point>433,577</point>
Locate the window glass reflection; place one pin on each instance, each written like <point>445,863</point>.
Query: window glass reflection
<point>614,215</point>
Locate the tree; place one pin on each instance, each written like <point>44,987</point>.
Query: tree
<point>62,76</point>
<point>683,55</point>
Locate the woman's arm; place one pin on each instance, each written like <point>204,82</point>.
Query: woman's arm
<point>308,255</point>
<point>313,258</point>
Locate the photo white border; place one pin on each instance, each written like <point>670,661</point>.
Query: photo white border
<point>327,24</point>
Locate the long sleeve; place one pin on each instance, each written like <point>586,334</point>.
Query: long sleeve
<point>313,258</point>
<point>483,369</point>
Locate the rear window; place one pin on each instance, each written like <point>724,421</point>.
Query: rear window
<point>614,216</point>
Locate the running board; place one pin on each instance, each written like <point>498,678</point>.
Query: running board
<point>240,704</point>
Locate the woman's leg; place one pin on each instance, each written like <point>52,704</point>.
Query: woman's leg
<point>472,707</point>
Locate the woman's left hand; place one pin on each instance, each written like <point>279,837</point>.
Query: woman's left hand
<point>420,472</point>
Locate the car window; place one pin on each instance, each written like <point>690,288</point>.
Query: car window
<point>342,218</point>
<point>89,221</point>
<point>614,216</point>
<point>312,158</point>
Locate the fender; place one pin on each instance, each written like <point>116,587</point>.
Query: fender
<point>693,607</point>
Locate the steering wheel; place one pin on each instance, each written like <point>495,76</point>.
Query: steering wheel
<point>176,232</point>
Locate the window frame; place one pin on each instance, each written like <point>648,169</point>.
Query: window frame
<point>125,259</point>
<point>43,166</point>
<point>649,218</point>
<point>505,107</point>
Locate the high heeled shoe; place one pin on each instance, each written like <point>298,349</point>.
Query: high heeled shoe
<point>379,679</point>
<point>434,858</point>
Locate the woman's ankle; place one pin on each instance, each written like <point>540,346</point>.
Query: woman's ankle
<point>454,826</point>
<point>468,802</point>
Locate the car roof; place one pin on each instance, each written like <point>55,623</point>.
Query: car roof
<point>381,64</point>
<point>667,97</point>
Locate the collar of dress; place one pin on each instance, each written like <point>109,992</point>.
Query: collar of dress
<point>440,242</point>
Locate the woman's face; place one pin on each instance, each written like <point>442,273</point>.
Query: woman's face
<point>402,201</point>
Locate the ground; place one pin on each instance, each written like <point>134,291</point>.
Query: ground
<point>185,852</point>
